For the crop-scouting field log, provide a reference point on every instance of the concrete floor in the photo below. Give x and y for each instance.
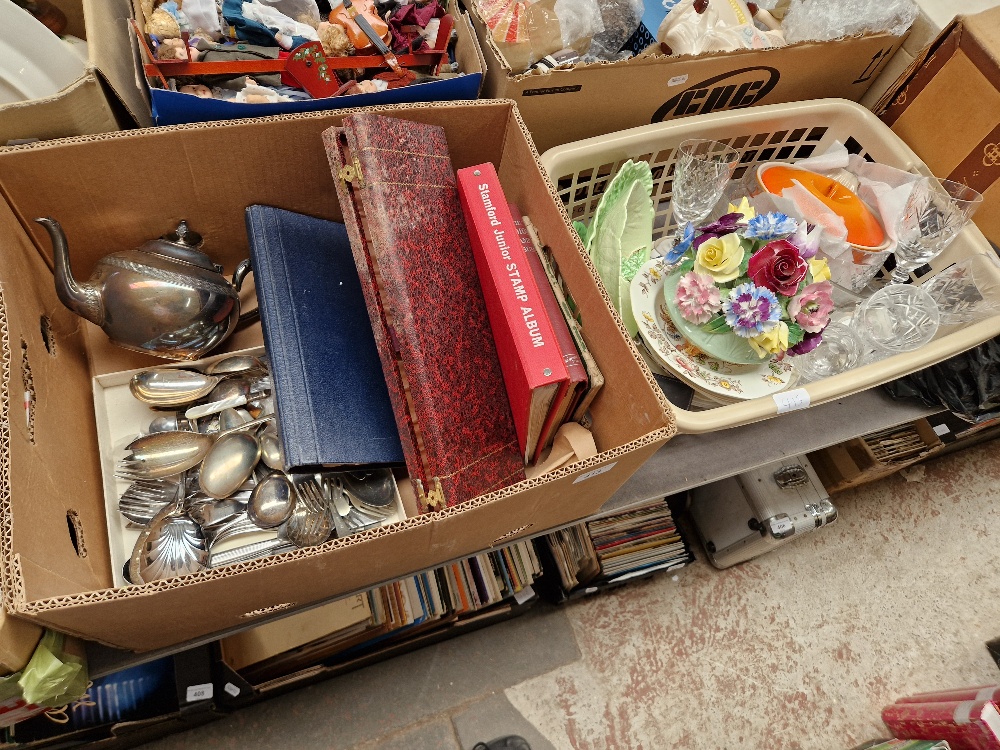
(798, 649)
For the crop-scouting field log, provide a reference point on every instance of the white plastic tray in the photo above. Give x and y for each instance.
(780, 132)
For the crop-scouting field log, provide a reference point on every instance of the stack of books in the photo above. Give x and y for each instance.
(618, 547)
(641, 539)
(574, 556)
(549, 374)
(351, 627)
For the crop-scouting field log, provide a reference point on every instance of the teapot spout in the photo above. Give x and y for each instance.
(83, 299)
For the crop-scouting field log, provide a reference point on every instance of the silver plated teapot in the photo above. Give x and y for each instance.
(164, 298)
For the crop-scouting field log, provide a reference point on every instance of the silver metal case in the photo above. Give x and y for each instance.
(752, 513)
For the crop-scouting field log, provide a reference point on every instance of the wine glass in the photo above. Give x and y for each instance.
(701, 173)
(934, 214)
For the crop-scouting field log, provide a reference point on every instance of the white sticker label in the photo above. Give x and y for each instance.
(677, 80)
(941, 429)
(232, 689)
(792, 400)
(524, 595)
(781, 526)
(200, 692)
(595, 472)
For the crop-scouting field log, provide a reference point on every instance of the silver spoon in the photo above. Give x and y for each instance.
(271, 501)
(270, 451)
(172, 545)
(376, 487)
(166, 387)
(238, 363)
(232, 418)
(228, 464)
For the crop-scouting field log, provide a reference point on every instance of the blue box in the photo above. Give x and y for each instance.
(173, 108)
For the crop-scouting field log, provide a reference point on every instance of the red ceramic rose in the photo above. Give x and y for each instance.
(778, 266)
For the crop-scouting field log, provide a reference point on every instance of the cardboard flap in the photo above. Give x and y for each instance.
(51, 477)
(919, 72)
(111, 51)
(984, 29)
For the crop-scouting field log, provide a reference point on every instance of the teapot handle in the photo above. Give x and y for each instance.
(241, 272)
(239, 276)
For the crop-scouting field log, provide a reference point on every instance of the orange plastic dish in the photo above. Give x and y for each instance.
(863, 228)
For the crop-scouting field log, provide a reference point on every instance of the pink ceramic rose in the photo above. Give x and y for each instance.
(778, 266)
(811, 308)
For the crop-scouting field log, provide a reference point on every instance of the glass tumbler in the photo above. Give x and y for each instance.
(967, 291)
(839, 351)
(856, 267)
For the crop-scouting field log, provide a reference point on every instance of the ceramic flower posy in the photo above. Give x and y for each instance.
(756, 277)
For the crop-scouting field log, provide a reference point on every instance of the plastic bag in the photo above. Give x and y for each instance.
(525, 31)
(56, 673)
(620, 18)
(823, 20)
(967, 384)
(720, 27)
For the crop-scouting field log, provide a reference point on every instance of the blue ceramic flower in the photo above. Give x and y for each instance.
(770, 226)
(683, 245)
(751, 310)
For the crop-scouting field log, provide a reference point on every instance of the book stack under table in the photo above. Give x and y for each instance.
(616, 548)
(387, 615)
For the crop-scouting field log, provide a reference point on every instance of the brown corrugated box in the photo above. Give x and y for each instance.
(105, 191)
(947, 109)
(103, 99)
(854, 463)
(563, 106)
(18, 639)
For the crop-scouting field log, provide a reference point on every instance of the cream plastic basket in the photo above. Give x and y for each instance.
(780, 132)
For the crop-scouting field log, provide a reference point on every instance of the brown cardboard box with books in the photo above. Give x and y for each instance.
(565, 105)
(54, 544)
(947, 109)
(104, 98)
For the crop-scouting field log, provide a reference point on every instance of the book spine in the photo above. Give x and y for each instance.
(571, 393)
(982, 693)
(961, 723)
(522, 330)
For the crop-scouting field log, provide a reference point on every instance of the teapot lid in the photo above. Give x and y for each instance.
(182, 245)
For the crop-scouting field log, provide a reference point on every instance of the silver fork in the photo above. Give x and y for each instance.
(144, 498)
(311, 522)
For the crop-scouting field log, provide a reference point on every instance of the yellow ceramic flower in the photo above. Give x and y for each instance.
(744, 208)
(819, 269)
(774, 341)
(720, 258)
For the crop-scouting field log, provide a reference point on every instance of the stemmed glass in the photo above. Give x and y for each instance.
(934, 214)
(702, 171)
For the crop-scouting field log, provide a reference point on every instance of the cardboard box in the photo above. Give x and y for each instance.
(132, 713)
(103, 99)
(563, 106)
(173, 108)
(947, 109)
(53, 532)
(855, 462)
(17, 643)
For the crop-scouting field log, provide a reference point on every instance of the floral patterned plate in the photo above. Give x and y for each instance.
(677, 355)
